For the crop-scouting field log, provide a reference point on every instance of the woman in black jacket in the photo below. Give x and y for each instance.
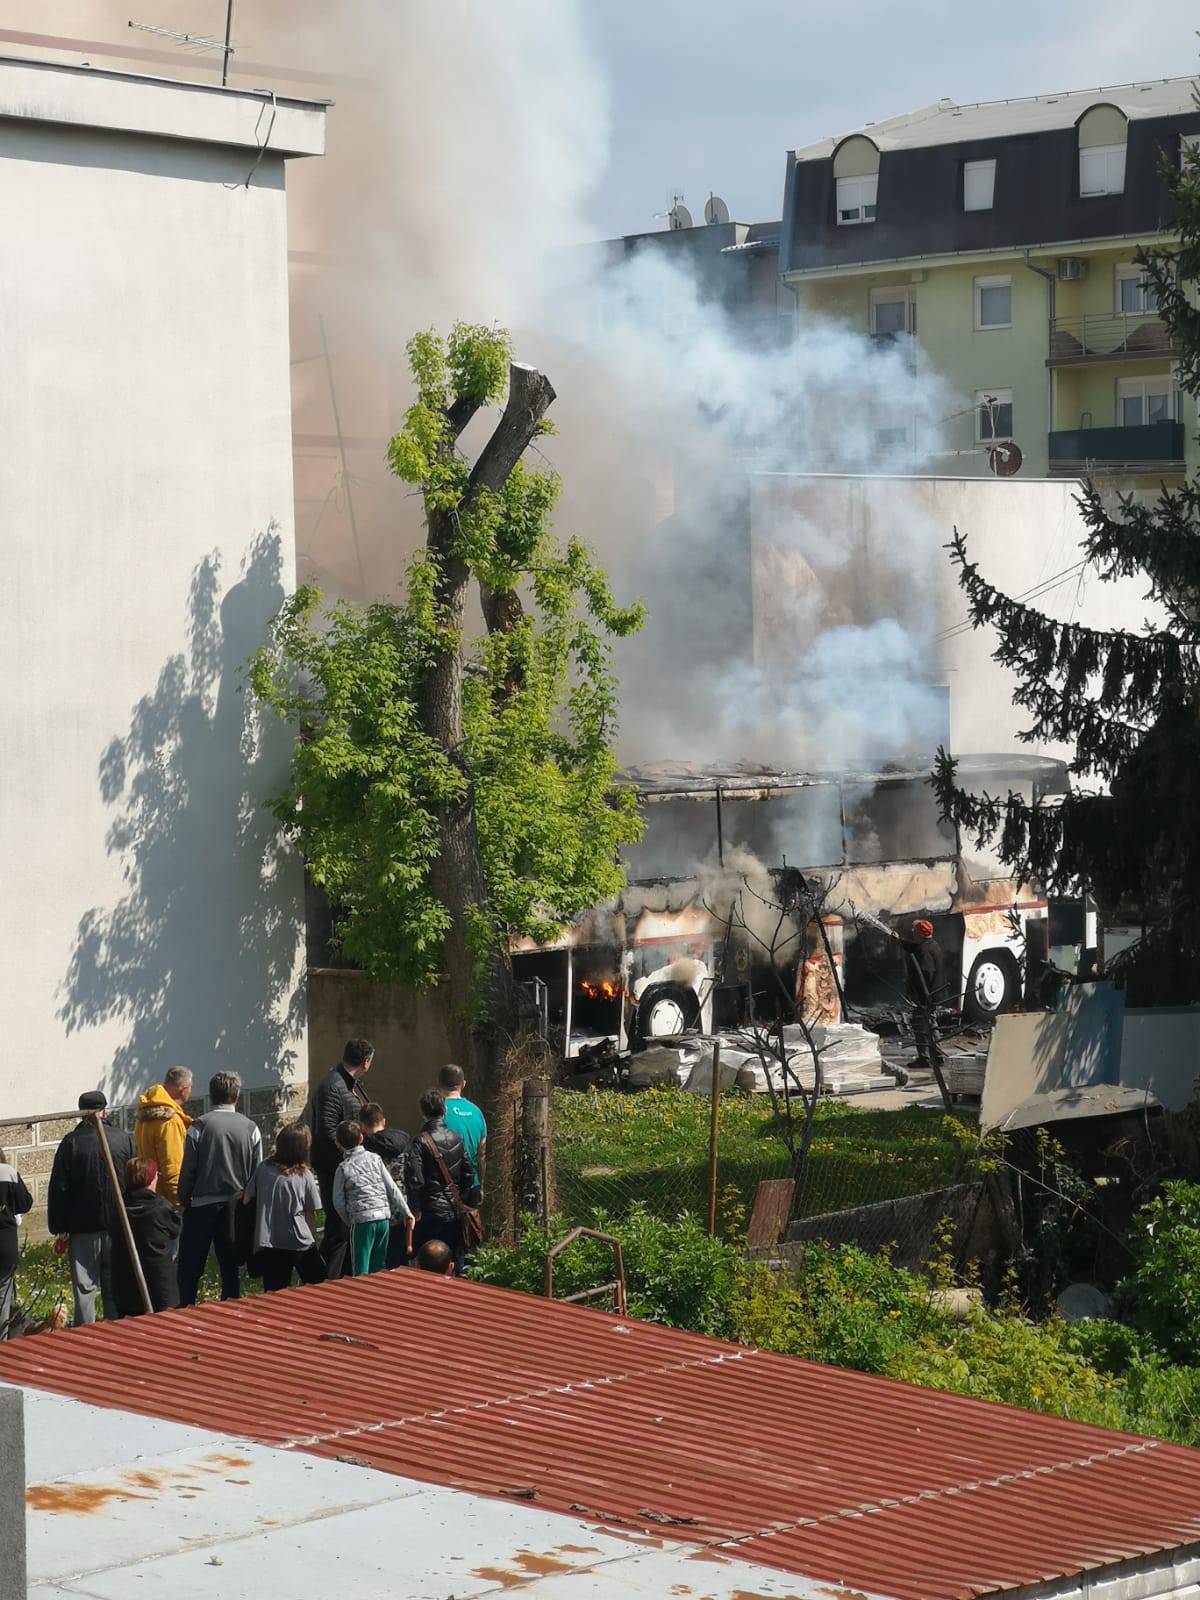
(428, 1192)
(15, 1201)
(155, 1224)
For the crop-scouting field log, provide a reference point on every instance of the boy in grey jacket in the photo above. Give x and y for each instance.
(220, 1155)
(366, 1198)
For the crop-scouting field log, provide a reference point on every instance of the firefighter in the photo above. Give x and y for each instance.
(925, 985)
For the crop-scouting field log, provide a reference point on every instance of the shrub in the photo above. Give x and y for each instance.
(842, 1307)
(1163, 1290)
(674, 1273)
(1015, 1362)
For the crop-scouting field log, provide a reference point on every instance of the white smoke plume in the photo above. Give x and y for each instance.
(463, 143)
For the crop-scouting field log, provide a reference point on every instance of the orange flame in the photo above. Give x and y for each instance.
(605, 990)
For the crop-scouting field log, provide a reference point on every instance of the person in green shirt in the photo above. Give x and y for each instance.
(464, 1116)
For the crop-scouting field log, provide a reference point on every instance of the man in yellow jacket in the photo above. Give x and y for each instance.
(162, 1126)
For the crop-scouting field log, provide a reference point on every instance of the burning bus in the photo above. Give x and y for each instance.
(701, 937)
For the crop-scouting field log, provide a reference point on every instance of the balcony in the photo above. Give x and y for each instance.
(1153, 447)
(1109, 336)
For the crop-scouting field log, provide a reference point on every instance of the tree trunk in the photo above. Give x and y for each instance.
(457, 874)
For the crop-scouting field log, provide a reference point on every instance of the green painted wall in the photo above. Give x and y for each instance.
(973, 359)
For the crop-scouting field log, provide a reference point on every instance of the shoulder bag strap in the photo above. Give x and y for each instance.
(455, 1198)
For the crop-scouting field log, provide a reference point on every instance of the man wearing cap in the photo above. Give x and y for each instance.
(80, 1204)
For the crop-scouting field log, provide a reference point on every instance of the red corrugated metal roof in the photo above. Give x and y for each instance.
(845, 1478)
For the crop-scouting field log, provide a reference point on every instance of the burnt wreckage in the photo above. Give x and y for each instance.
(756, 895)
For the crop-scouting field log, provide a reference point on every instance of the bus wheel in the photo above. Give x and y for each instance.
(664, 1011)
(991, 987)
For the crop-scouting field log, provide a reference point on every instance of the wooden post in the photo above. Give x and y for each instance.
(712, 1138)
(537, 1162)
(98, 1119)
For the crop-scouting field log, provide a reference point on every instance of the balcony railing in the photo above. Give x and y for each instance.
(1109, 336)
(1154, 446)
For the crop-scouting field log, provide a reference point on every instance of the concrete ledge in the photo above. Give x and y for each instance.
(124, 102)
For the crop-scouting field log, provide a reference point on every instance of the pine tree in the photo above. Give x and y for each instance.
(1127, 703)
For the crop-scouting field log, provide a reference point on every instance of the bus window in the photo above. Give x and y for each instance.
(802, 826)
(895, 821)
(679, 833)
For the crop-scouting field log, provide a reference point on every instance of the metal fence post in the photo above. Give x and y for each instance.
(12, 1491)
(714, 1115)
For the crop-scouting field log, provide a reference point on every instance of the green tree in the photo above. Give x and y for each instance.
(454, 786)
(1126, 702)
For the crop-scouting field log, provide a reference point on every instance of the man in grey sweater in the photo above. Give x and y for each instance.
(220, 1154)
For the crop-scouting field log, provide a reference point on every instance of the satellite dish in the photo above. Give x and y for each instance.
(1005, 458)
(679, 216)
(715, 209)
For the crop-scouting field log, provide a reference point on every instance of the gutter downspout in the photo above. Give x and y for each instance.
(1051, 288)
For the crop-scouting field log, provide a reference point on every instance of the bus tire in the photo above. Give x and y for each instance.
(993, 985)
(677, 1002)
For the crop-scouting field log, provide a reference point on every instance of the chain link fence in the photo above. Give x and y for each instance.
(611, 1152)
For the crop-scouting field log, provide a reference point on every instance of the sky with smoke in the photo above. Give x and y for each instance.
(470, 145)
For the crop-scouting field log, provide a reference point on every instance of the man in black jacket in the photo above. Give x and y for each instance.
(337, 1098)
(428, 1193)
(925, 983)
(80, 1204)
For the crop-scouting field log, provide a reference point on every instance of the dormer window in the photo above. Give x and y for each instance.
(979, 185)
(856, 199)
(1102, 137)
(856, 176)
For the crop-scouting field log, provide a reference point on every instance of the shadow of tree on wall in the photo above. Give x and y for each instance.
(198, 958)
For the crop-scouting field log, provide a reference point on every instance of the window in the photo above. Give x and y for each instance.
(1141, 401)
(1102, 170)
(1134, 290)
(993, 415)
(979, 185)
(856, 198)
(993, 302)
(1189, 153)
(893, 312)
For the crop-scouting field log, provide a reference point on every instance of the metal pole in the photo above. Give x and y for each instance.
(712, 1138)
(228, 52)
(98, 1118)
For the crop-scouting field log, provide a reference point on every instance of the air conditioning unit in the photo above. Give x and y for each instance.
(1071, 268)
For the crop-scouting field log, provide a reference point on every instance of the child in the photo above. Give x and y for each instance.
(366, 1198)
(394, 1149)
(155, 1225)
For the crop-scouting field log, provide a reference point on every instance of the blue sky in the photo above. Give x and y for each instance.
(711, 95)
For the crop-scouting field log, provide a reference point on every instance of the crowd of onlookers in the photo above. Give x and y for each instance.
(195, 1187)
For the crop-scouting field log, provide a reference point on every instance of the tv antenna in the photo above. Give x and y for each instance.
(715, 209)
(199, 42)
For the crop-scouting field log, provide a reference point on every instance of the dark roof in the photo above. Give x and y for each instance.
(852, 1480)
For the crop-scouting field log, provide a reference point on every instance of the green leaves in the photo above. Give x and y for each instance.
(539, 705)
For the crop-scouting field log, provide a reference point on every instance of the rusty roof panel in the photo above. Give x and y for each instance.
(834, 1475)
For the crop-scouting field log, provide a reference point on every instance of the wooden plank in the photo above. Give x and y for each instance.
(772, 1207)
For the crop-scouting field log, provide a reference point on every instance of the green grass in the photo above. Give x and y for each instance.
(614, 1150)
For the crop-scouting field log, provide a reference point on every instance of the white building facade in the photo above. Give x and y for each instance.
(146, 495)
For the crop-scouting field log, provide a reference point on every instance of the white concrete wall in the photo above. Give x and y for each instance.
(146, 507)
